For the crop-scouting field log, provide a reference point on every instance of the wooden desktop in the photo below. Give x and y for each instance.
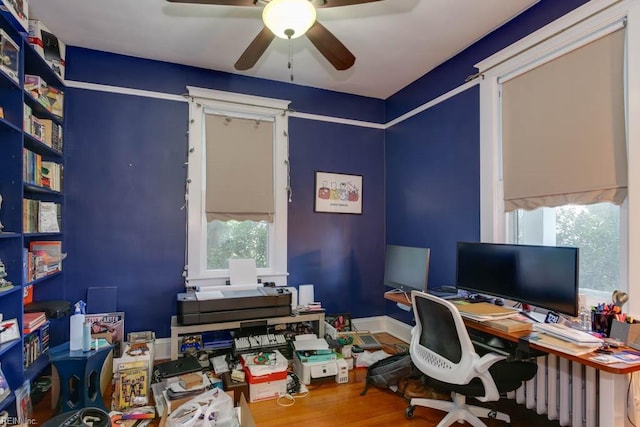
(613, 380)
(613, 368)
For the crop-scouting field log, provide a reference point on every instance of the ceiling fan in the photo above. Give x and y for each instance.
(289, 19)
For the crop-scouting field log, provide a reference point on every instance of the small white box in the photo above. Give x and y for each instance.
(19, 9)
(50, 47)
(343, 371)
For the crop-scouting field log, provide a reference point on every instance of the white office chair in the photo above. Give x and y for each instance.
(442, 350)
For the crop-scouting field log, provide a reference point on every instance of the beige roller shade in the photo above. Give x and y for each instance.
(563, 127)
(239, 169)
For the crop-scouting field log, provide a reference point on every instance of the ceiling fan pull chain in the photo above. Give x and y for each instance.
(290, 55)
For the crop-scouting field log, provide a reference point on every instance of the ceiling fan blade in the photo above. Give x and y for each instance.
(218, 2)
(336, 3)
(330, 47)
(254, 51)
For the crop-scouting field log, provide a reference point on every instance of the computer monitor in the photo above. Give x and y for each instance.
(542, 276)
(406, 267)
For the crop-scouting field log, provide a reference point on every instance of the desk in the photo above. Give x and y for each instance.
(603, 399)
(177, 330)
(607, 407)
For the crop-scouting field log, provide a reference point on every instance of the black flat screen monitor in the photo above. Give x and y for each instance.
(543, 276)
(406, 267)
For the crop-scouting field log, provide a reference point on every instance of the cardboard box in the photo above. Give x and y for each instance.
(19, 9)
(52, 49)
(267, 390)
(257, 379)
(626, 332)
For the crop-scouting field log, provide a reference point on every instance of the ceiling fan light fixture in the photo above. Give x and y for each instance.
(289, 18)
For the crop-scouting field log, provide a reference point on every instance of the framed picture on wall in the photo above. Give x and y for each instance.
(338, 193)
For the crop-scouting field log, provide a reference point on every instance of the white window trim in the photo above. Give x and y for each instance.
(236, 105)
(566, 33)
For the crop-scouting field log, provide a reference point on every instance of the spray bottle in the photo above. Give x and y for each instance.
(75, 326)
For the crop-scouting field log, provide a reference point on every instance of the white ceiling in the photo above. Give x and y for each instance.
(394, 41)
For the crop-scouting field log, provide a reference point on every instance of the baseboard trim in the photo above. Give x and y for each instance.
(400, 330)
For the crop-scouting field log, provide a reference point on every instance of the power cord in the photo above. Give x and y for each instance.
(295, 390)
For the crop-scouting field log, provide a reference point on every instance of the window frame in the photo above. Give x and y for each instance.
(567, 33)
(203, 101)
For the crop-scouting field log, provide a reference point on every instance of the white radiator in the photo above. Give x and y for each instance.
(576, 395)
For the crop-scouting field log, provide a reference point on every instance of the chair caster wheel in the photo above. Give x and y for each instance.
(408, 413)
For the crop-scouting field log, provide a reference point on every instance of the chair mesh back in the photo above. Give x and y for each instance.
(439, 333)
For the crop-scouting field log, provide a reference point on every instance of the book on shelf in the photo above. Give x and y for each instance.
(52, 134)
(56, 101)
(45, 258)
(32, 321)
(27, 112)
(31, 167)
(41, 217)
(27, 293)
(51, 175)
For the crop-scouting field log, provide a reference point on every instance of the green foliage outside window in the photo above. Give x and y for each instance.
(595, 230)
(236, 239)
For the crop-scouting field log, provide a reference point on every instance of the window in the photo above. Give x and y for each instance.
(599, 225)
(596, 229)
(237, 185)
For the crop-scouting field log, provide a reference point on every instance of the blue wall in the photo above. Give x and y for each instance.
(433, 159)
(125, 184)
(341, 254)
(125, 178)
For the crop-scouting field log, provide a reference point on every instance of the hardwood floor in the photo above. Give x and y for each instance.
(330, 405)
(340, 405)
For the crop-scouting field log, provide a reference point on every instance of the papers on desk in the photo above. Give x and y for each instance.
(563, 346)
(629, 357)
(483, 311)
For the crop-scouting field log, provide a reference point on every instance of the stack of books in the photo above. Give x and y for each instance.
(32, 321)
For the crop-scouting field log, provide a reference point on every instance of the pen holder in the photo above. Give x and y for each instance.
(601, 322)
(626, 332)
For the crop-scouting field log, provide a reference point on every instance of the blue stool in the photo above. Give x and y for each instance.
(79, 374)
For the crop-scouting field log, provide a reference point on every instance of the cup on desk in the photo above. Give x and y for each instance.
(601, 322)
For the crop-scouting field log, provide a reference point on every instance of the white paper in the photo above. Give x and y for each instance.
(305, 295)
(203, 296)
(243, 272)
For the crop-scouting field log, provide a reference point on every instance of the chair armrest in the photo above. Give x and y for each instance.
(485, 362)
(482, 366)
